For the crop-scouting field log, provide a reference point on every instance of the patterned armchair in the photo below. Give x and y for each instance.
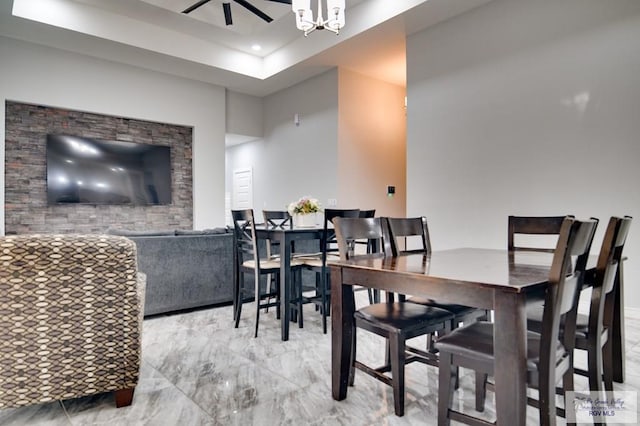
(70, 318)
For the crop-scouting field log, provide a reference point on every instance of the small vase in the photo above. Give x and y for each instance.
(305, 220)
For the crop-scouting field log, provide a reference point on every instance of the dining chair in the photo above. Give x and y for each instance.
(318, 262)
(549, 353)
(593, 330)
(411, 235)
(395, 321)
(278, 219)
(367, 213)
(533, 225)
(249, 260)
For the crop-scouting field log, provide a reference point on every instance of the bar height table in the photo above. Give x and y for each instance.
(286, 237)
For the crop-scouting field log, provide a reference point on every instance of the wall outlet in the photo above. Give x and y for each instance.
(332, 202)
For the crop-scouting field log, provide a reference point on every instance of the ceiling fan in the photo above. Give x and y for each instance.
(226, 8)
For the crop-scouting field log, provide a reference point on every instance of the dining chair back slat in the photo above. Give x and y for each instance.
(406, 228)
(277, 219)
(245, 236)
(351, 230)
(533, 226)
(329, 243)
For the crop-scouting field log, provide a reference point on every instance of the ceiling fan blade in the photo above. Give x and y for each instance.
(281, 1)
(195, 6)
(254, 9)
(227, 13)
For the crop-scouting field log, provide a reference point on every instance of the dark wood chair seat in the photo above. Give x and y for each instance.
(476, 341)
(534, 323)
(402, 317)
(532, 225)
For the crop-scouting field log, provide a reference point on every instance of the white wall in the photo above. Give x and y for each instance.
(292, 161)
(41, 75)
(244, 114)
(526, 107)
(372, 143)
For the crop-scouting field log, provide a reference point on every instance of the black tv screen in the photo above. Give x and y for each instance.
(91, 171)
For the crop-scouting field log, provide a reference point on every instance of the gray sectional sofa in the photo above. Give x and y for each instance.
(185, 269)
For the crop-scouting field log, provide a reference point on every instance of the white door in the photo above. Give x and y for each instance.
(242, 197)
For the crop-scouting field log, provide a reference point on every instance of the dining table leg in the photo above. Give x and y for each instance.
(342, 329)
(510, 343)
(285, 285)
(236, 280)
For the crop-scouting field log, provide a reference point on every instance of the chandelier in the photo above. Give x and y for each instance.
(306, 23)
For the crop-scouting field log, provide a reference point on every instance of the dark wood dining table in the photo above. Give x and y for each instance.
(482, 278)
(286, 237)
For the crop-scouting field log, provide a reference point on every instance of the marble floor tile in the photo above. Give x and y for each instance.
(50, 414)
(198, 369)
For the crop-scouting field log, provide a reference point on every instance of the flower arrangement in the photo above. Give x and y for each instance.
(304, 205)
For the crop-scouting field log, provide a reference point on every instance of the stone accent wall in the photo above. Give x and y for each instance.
(26, 209)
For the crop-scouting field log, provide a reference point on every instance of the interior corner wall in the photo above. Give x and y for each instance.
(297, 160)
(371, 144)
(244, 114)
(52, 77)
(526, 108)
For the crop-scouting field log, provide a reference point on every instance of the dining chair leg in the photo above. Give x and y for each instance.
(298, 279)
(594, 359)
(481, 390)
(352, 369)
(268, 290)
(567, 380)
(257, 301)
(567, 386)
(277, 291)
(397, 349)
(318, 288)
(238, 307)
(446, 378)
(323, 299)
(547, 398)
(235, 302)
(607, 364)
(327, 289)
(237, 315)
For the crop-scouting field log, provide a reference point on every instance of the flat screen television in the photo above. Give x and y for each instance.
(90, 171)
